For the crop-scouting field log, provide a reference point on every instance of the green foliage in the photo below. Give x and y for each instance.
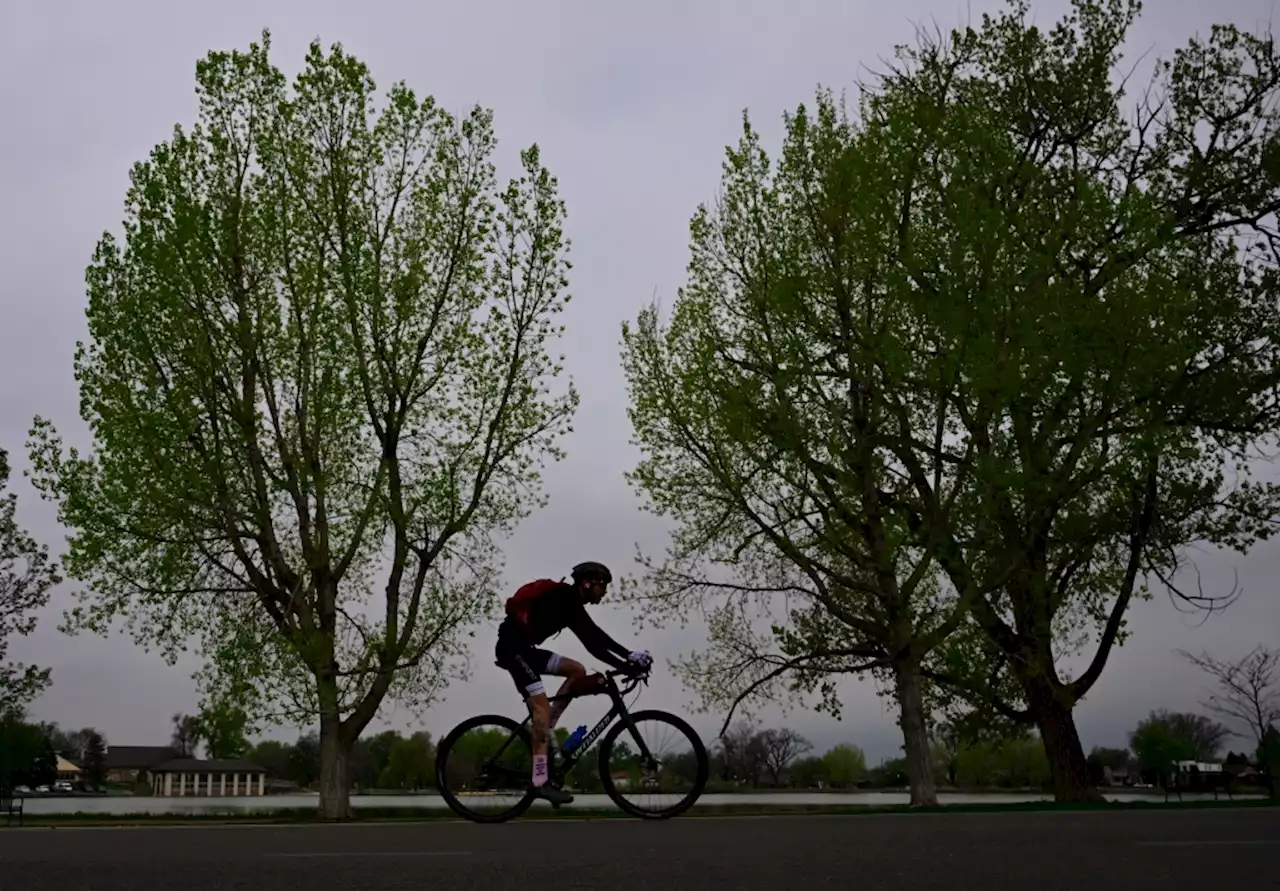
(276, 758)
(411, 763)
(890, 773)
(369, 757)
(1116, 759)
(767, 407)
(845, 765)
(1047, 341)
(26, 753)
(45, 769)
(1164, 738)
(809, 772)
(26, 575)
(186, 735)
(762, 440)
(967, 729)
(223, 725)
(973, 694)
(1101, 320)
(477, 747)
(95, 761)
(1010, 763)
(622, 755)
(319, 382)
(304, 760)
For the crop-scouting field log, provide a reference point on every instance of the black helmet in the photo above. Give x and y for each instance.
(592, 571)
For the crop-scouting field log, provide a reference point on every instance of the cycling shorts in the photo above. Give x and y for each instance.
(525, 662)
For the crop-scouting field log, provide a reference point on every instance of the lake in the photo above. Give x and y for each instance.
(125, 805)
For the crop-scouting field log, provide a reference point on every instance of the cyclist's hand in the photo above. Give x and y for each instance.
(640, 662)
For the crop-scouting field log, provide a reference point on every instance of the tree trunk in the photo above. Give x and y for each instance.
(915, 734)
(335, 748)
(1068, 769)
(335, 782)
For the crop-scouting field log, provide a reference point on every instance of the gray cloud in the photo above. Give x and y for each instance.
(632, 109)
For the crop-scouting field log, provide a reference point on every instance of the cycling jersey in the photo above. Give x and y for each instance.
(558, 609)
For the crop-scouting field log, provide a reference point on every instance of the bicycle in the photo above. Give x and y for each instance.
(618, 765)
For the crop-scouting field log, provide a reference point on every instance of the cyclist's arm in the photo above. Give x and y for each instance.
(597, 642)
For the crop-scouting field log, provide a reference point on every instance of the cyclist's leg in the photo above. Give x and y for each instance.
(576, 683)
(526, 665)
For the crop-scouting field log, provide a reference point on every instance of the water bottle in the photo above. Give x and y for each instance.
(574, 738)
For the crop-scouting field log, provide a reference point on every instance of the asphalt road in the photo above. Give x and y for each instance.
(1204, 850)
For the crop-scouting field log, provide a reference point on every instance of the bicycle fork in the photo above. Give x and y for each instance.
(648, 764)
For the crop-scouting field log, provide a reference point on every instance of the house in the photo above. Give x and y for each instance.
(181, 777)
(1198, 767)
(68, 771)
(124, 763)
(1116, 776)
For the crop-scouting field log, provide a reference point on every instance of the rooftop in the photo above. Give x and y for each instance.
(200, 765)
(136, 757)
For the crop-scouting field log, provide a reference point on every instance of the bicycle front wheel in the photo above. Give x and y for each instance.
(483, 767)
(669, 780)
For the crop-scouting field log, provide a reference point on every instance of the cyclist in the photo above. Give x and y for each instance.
(538, 610)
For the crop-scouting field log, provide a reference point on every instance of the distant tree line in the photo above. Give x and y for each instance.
(746, 757)
(1164, 739)
(386, 760)
(984, 757)
(753, 757)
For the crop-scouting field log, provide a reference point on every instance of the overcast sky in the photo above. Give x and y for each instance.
(632, 105)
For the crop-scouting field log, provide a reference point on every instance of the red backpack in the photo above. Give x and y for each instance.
(519, 603)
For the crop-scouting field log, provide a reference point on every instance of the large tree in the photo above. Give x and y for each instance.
(764, 440)
(1035, 341)
(1098, 288)
(319, 388)
(26, 575)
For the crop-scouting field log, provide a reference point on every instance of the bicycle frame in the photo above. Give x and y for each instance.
(617, 709)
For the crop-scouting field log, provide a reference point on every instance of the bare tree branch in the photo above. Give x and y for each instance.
(1248, 693)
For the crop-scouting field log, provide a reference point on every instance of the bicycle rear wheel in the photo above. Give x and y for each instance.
(483, 768)
(669, 781)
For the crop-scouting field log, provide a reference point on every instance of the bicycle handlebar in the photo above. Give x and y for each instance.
(634, 677)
